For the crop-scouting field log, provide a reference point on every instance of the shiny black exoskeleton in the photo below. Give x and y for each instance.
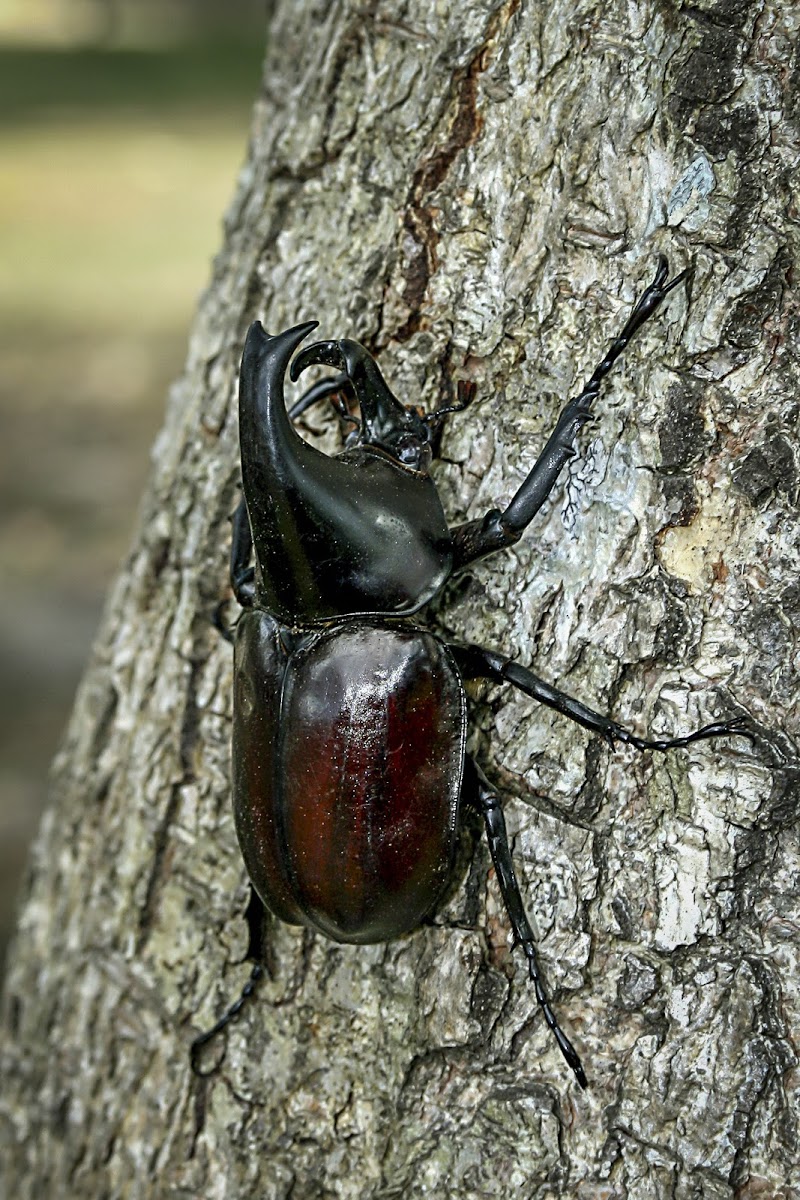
(349, 762)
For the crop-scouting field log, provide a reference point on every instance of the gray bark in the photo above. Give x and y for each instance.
(473, 190)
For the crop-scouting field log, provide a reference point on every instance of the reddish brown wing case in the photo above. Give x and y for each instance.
(348, 756)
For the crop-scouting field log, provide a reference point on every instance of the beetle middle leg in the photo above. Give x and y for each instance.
(498, 529)
(497, 837)
(478, 663)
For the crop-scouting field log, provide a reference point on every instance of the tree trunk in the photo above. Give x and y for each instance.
(473, 191)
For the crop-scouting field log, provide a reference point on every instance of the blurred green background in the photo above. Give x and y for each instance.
(122, 126)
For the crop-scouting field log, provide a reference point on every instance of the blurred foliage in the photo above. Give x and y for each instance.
(115, 170)
(45, 83)
(118, 23)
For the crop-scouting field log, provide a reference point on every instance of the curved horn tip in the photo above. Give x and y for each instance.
(295, 334)
(256, 333)
(287, 342)
(319, 353)
(304, 329)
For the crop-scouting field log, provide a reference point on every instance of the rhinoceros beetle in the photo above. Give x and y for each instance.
(350, 717)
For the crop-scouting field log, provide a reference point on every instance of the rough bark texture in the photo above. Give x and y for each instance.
(475, 190)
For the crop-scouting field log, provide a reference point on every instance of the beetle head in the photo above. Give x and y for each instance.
(386, 424)
(358, 532)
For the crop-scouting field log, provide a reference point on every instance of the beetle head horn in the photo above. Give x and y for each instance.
(385, 422)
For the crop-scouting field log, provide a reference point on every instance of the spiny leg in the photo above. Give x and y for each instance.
(477, 663)
(256, 920)
(498, 529)
(321, 390)
(248, 990)
(497, 837)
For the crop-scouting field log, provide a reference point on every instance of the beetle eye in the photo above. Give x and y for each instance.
(410, 450)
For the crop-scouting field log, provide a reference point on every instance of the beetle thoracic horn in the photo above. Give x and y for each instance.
(382, 414)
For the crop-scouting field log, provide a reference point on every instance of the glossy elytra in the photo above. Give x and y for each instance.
(349, 762)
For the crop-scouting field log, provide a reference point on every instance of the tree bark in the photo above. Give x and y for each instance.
(473, 191)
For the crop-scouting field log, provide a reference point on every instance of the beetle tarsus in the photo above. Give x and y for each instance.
(570, 1054)
(199, 1042)
(497, 837)
(466, 390)
(734, 728)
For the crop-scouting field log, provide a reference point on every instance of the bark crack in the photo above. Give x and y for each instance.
(463, 129)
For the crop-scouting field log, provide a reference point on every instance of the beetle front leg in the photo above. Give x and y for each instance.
(242, 574)
(322, 390)
(498, 529)
(477, 663)
(497, 837)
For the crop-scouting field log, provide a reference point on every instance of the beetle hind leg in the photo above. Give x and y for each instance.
(256, 917)
(497, 837)
(232, 1013)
